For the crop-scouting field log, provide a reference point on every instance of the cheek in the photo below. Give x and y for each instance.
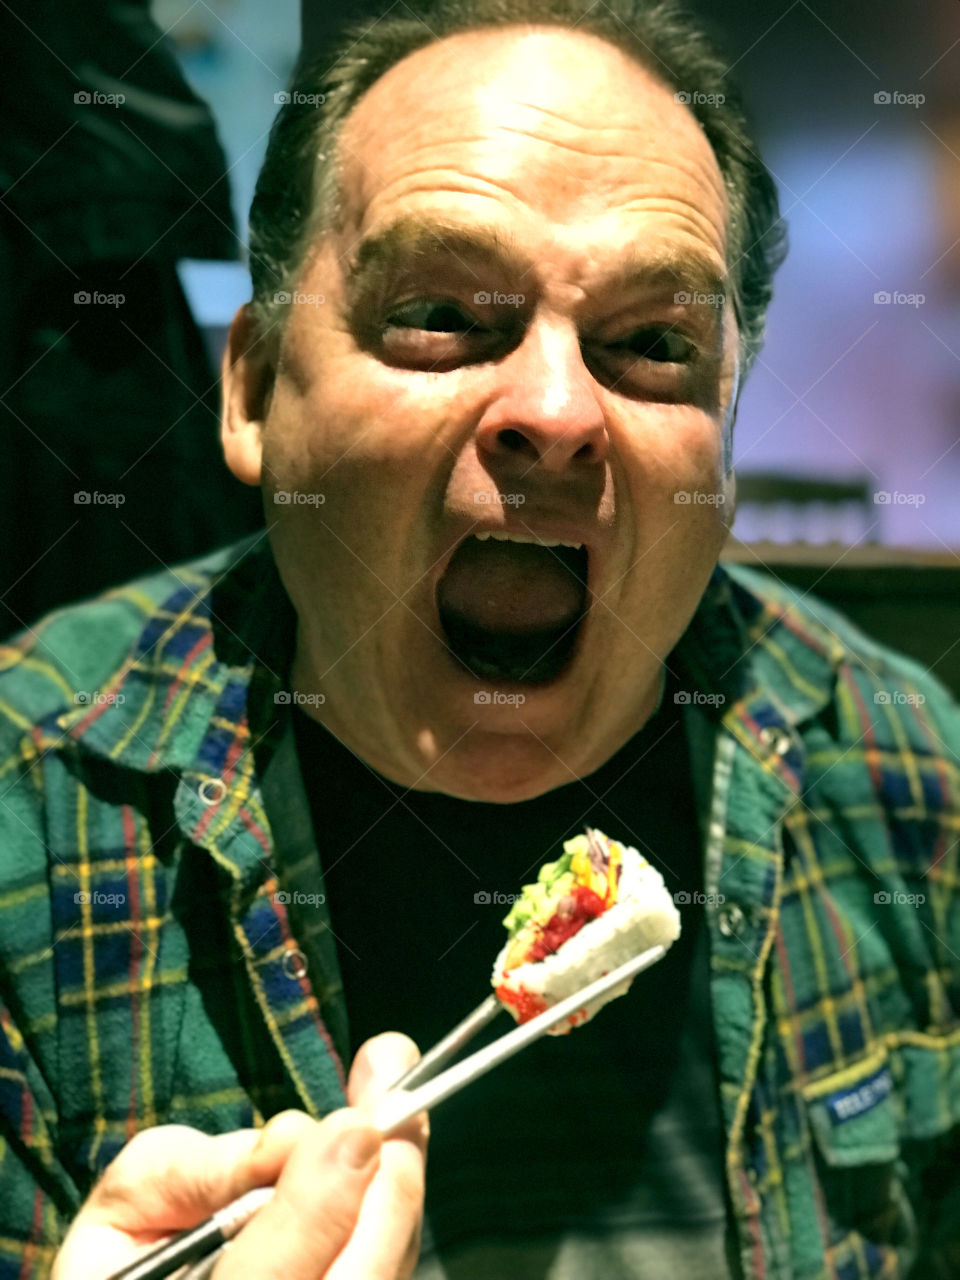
(329, 442)
(362, 418)
(671, 449)
(369, 466)
(677, 498)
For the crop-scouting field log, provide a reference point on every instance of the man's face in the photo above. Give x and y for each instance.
(500, 349)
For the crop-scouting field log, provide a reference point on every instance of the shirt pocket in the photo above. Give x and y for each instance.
(856, 1118)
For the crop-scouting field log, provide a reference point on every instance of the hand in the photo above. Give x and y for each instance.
(347, 1205)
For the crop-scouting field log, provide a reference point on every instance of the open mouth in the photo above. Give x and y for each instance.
(512, 605)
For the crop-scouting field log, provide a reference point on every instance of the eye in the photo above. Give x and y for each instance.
(658, 362)
(662, 346)
(431, 317)
(437, 334)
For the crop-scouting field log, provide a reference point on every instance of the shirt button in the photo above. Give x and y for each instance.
(294, 964)
(730, 920)
(778, 740)
(212, 790)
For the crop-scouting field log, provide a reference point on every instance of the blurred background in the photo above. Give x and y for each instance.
(848, 434)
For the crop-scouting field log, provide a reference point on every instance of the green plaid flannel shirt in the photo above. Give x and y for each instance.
(149, 974)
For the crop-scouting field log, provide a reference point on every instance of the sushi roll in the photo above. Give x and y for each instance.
(593, 909)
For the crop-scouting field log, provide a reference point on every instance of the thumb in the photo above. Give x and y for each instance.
(379, 1064)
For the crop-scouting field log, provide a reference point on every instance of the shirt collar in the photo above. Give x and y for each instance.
(766, 664)
(750, 634)
(213, 656)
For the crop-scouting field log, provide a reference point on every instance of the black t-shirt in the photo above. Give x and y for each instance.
(614, 1127)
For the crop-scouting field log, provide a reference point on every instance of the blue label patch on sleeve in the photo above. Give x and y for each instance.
(848, 1103)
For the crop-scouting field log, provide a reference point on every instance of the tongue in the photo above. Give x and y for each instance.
(513, 587)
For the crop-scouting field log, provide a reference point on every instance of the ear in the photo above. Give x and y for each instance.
(731, 416)
(247, 374)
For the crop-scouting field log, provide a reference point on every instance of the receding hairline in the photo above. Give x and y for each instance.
(559, 30)
(391, 240)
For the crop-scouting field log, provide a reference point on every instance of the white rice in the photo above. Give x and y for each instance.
(643, 916)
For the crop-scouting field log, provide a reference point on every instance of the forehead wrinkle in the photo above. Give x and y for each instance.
(619, 185)
(626, 165)
(685, 218)
(491, 89)
(565, 146)
(629, 138)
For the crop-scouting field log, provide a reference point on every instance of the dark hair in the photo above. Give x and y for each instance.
(298, 191)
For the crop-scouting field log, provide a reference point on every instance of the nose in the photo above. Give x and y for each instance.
(546, 415)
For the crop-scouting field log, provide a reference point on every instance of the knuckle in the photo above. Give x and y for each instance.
(290, 1120)
(416, 1131)
(281, 1133)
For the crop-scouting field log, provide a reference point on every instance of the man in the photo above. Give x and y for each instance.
(507, 284)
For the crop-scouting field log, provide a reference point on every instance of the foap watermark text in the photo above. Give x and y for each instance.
(895, 898)
(697, 698)
(293, 697)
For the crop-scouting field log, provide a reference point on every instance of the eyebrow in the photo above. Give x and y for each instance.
(410, 243)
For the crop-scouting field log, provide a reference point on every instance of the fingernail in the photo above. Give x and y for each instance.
(359, 1148)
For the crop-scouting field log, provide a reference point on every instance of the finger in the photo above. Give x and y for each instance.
(172, 1177)
(386, 1241)
(379, 1063)
(275, 1145)
(299, 1233)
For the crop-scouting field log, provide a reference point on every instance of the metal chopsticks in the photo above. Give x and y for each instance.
(392, 1110)
(400, 1103)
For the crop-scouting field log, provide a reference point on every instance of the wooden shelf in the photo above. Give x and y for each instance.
(906, 599)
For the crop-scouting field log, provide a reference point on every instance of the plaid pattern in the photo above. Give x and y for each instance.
(148, 974)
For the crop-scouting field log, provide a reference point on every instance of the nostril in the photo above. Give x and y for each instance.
(513, 440)
(552, 447)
